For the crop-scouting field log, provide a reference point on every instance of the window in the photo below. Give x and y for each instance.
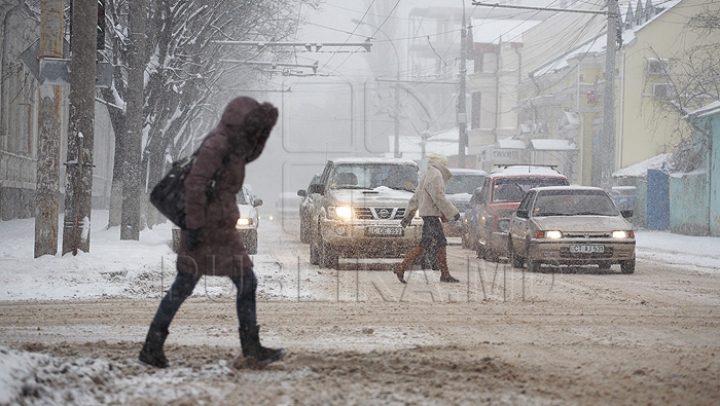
(664, 91)
(658, 66)
(514, 189)
(370, 176)
(574, 203)
(522, 210)
(463, 184)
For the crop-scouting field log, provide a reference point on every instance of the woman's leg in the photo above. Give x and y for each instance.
(152, 352)
(246, 285)
(249, 331)
(180, 290)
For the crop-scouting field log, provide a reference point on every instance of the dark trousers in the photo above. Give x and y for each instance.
(433, 236)
(183, 286)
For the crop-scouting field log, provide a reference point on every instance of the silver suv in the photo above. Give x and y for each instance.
(357, 212)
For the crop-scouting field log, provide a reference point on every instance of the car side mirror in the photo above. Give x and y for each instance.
(257, 202)
(317, 189)
(302, 193)
(521, 213)
(626, 213)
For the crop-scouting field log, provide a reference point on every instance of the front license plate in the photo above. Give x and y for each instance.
(587, 249)
(384, 231)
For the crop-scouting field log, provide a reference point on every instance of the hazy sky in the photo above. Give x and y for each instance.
(321, 114)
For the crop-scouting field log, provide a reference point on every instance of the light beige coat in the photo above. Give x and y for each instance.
(429, 198)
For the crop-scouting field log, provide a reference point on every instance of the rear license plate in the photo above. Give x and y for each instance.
(587, 249)
(384, 231)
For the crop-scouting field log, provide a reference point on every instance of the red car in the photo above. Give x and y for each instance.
(487, 221)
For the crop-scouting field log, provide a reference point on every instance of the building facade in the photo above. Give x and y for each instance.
(19, 106)
(549, 85)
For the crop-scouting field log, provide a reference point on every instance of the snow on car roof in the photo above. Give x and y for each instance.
(373, 160)
(571, 187)
(462, 171)
(527, 169)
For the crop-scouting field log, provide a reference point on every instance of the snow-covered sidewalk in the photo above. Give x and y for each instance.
(115, 268)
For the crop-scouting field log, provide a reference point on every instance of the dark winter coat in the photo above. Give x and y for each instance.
(238, 139)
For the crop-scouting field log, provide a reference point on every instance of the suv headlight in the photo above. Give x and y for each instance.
(340, 212)
(242, 221)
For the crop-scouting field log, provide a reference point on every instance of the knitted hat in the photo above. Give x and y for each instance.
(439, 158)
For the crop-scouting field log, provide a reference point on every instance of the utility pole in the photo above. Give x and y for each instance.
(462, 91)
(132, 136)
(47, 190)
(396, 139)
(605, 166)
(608, 139)
(81, 134)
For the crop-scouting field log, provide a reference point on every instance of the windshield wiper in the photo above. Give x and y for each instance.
(351, 187)
(407, 189)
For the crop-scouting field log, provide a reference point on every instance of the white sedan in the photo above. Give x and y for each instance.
(571, 225)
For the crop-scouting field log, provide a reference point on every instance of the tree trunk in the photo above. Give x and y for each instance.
(117, 118)
(47, 191)
(132, 136)
(81, 135)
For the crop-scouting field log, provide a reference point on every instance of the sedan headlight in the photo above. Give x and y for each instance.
(550, 234)
(341, 212)
(242, 221)
(623, 234)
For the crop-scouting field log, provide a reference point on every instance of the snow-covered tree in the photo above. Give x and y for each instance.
(189, 75)
(695, 79)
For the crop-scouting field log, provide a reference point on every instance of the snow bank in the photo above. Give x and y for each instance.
(17, 375)
(129, 269)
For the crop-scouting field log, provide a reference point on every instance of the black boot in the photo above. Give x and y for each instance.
(152, 351)
(251, 348)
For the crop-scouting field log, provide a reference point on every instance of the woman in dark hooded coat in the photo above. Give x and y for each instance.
(210, 244)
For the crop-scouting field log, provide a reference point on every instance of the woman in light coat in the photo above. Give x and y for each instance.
(434, 208)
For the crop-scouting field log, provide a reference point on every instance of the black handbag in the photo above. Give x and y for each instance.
(168, 196)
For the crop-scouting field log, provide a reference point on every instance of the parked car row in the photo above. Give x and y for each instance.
(486, 224)
(527, 214)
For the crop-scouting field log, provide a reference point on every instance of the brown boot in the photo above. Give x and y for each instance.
(442, 261)
(410, 257)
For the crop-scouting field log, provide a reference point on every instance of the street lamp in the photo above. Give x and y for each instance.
(396, 150)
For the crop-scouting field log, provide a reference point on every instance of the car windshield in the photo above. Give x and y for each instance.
(574, 203)
(315, 180)
(370, 176)
(514, 189)
(463, 184)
